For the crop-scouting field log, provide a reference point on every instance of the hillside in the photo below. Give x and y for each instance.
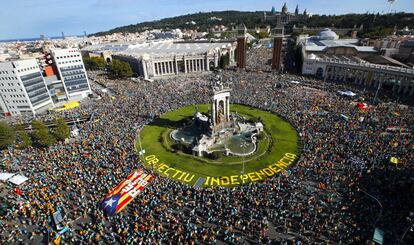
(374, 24)
(202, 20)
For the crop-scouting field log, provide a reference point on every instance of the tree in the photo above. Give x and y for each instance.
(7, 135)
(298, 59)
(24, 138)
(120, 69)
(62, 130)
(224, 61)
(94, 63)
(259, 35)
(41, 134)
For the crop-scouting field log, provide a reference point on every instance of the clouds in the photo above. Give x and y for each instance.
(30, 18)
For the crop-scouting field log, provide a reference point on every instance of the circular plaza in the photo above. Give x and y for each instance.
(275, 148)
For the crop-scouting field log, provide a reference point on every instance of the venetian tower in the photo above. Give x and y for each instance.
(241, 46)
(277, 35)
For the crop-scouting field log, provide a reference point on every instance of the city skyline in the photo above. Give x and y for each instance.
(51, 17)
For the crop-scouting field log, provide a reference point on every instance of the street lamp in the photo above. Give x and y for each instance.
(142, 151)
(410, 226)
(376, 199)
(243, 145)
(376, 93)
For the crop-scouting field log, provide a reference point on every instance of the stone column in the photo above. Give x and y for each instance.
(369, 78)
(154, 69)
(395, 85)
(159, 69)
(412, 88)
(185, 65)
(356, 77)
(144, 68)
(364, 78)
(377, 82)
(407, 88)
(400, 88)
(207, 63)
(213, 113)
(194, 67)
(228, 108)
(361, 77)
(176, 65)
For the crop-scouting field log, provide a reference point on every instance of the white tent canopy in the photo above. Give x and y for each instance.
(5, 176)
(347, 93)
(18, 179)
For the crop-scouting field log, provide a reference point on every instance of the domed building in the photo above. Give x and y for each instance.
(284, 17)
(327, 34)
(325, 55)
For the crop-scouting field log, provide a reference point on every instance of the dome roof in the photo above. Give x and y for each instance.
(327, 34)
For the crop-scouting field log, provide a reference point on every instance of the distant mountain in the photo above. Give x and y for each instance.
(373, 24)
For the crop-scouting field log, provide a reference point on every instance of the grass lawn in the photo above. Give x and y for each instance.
(279, 138)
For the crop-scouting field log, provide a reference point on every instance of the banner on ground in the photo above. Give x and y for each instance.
(117, 199)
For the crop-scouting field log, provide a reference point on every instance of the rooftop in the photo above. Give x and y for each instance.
(317, 45)
(159, 48)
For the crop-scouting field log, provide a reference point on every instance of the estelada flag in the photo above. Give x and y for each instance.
(119, 197)
(18, 191)
(394, 160)
(362, 106)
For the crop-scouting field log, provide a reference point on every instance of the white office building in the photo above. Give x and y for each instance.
(23, 90)
(72, 72)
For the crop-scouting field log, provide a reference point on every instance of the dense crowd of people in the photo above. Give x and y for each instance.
(260, 57)
(342, 187)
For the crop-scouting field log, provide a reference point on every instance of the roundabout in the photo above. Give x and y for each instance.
(276, 149)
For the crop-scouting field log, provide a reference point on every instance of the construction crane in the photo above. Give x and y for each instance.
(390, 2)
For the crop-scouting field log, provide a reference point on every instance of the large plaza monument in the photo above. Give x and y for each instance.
(220, 106)
(221, 131)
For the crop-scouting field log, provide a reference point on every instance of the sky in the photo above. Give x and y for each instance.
(31, 18)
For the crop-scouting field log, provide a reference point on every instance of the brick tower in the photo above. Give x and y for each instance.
(277, 34)
(241, 46)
